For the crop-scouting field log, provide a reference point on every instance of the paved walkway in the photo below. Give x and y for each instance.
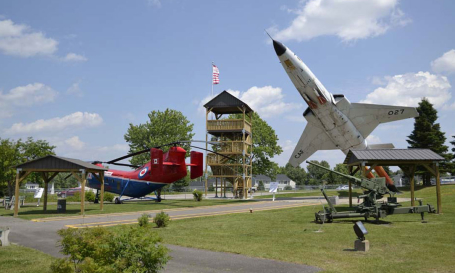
(41, 234)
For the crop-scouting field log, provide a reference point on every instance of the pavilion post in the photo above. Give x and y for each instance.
(438, 188)
(83, 191)
(46, 186)
(102, 190)
(350, 193)
(19, 177)
(412, 170)
(16, 193)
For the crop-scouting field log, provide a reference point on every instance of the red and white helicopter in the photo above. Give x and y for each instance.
(162, 169)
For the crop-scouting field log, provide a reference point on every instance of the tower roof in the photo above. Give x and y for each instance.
(225, 103)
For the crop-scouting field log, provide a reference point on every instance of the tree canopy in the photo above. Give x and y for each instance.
(427, 134)
(297, 174)
(13, 153)
(161, 128)
(316, 174)
(453, 156)
(265, 146)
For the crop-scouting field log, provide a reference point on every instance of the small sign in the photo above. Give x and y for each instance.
(155, 161)
(38, 193)
(273, 187)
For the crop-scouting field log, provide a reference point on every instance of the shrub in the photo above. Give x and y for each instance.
(162, 219)
(75, 198)
(143, 220)
(197, 195)
(287, 188)
(90, 196)
(126, 249)
(108, 197)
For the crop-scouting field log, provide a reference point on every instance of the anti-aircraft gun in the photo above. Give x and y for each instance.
(375, 189)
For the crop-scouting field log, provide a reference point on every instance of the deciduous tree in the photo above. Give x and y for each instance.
(161, 128)
(297, 174)
(13, 153)
(316, 175)
(265, 146)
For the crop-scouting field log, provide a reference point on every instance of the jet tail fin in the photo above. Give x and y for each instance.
(366, 117)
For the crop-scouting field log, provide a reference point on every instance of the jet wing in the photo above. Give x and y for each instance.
(313, 139)
(366, 117)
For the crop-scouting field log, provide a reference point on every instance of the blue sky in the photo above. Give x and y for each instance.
(77, 73)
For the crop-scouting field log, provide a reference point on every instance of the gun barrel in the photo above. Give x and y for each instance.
(342, 174)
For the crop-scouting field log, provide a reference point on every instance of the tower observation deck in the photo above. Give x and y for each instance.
(230, 124)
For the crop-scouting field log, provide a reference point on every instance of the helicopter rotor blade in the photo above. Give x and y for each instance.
(128, 155)
(126, 165)
(163, 145)
(201, 141)
(212, 152)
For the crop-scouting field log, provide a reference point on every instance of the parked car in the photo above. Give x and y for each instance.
(343, 187)
(68, 192)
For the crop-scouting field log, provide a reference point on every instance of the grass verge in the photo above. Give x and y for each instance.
(403, 244)
(19, 259)
(33, 212)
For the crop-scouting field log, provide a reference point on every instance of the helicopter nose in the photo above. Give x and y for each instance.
(279, 48)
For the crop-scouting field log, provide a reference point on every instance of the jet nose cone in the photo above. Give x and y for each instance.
(279, 48)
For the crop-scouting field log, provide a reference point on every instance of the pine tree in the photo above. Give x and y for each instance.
(453, 157)
(427, 134)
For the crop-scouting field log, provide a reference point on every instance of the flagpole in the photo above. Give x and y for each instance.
(212, 80)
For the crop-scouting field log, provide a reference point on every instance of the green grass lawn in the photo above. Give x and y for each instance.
(403, 244)
(32, 212)
(19, 259)
(400, 244)
(341, 193)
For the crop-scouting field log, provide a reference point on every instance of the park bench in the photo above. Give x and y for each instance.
(8, 202)
(4, 231)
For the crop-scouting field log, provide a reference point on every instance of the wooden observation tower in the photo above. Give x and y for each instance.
(235, 139)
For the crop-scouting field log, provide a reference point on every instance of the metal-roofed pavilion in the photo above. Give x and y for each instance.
(405, 159)
(51, 165)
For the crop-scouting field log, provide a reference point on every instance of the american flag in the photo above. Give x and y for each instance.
(216, 75)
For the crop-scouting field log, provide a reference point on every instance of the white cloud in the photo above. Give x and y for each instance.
(372, 139)
(28, 95)
(73, 57)
(77, 119)
(347, 19)
(20, 40)
(288, 147)
(378, 80)
(409, 89)
(295, 118)
(155, 3)
(74, 89)
(267, 101)
(445, 63)
(74, 147)
(75, 143)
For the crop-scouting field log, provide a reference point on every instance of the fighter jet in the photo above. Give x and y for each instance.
(333, 121)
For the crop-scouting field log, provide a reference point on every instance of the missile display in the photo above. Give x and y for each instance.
(333, 121)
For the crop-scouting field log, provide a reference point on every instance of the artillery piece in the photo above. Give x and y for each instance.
(375, 189)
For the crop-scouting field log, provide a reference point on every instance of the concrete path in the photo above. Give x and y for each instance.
(41, 234)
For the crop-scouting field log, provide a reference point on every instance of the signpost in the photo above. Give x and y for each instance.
(38, 194)
(273, 188)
